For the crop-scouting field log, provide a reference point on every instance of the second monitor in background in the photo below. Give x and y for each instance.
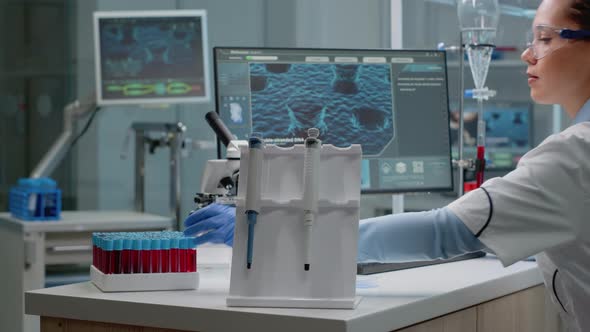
(392, 102)
(147, 57)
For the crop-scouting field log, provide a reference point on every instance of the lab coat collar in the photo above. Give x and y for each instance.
(583, 113)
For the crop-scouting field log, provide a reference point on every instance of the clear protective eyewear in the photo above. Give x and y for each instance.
(546, 39)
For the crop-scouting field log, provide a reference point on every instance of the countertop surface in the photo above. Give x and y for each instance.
(80, 221)
(388, 301)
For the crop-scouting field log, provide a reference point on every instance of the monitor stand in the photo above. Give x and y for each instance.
(397, 203)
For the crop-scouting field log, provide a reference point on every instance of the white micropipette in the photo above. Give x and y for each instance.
(311, 181)
(256, 145)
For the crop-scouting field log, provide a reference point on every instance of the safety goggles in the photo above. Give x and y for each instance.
(546, 39)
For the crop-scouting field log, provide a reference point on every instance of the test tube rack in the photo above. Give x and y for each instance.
(142, 261)
(35, 199)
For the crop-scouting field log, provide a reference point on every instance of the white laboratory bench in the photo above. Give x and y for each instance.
(28, 247)
(461, 296)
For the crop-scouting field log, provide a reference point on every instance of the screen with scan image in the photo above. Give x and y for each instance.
(151, 57)
(508, 132)
(392, 102)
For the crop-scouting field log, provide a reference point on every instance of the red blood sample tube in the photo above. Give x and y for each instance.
(109, 257)
(156, 256)
(192, 260)
(94, 249)
(100, 255)
(135, 259)
(145, 255)
(174, 255)
(191, 256)
(126, 256)
(183, 255)
(117, 253)
(165, 253)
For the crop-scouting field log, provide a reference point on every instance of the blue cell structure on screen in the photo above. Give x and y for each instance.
(348, 103)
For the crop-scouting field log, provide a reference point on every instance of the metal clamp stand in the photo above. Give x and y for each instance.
(172, 137)
(461, 163)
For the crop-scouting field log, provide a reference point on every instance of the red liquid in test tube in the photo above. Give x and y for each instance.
(156, 256)
(96, 263)
(109, 257)
(102, 258)
(183, 255)
(135, 259)
(110, 262)
(174, 255)
(192, 253)
(117, 253)
(146, 257)
(126, 255)
(94, 250)
(165, 255)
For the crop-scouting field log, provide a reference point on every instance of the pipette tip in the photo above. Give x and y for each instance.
(248, 265)
(306, 267)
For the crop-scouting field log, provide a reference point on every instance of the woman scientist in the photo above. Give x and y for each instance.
(542, 207)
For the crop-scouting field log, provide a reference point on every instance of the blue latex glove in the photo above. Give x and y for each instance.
(213, 223)
(435, 234)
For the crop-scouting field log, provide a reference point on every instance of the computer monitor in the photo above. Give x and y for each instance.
(147, 57)
(392, 102)
(508, 132)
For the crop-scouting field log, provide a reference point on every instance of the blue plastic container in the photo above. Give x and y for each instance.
(35, 200)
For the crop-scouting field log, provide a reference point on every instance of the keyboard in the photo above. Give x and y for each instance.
(372, 268)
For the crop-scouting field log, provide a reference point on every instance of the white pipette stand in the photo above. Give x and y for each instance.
(277, 277)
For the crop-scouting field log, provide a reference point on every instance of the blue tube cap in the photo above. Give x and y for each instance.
(146, 244)
(136, 244)
(109, 245)
(185, 243)
(127, 244)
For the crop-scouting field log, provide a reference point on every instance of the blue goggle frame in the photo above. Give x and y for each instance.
(573, 34)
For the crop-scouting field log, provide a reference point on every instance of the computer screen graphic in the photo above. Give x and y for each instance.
(508, 132)
(151, 57)
(367, 97)
(347, 103)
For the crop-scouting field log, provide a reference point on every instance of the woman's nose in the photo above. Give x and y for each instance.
(527, 56)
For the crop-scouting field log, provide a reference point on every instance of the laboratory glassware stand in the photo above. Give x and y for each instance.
(478, 21)
(277, 277)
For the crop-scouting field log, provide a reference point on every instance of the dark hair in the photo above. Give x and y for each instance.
(580, 13)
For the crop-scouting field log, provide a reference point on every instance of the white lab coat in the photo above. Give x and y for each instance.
(542, 207)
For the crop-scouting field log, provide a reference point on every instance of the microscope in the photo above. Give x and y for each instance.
(219, 183)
